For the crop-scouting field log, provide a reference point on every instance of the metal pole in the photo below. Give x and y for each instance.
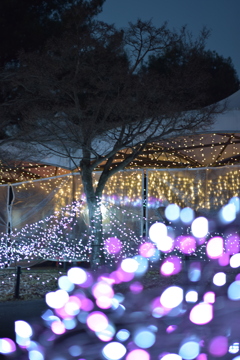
(17, 286)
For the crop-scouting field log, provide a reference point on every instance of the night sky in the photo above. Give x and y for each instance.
(221, 16)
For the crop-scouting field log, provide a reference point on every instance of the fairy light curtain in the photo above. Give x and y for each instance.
(204, 190)
(4, 209)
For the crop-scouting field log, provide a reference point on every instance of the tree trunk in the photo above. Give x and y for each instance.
(96, 233)
(95, 216)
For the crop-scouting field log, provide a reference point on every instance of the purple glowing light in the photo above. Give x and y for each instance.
(147, 249)
(232, 245)
(171, 328)
(218, 346)
(136, 287)
(187, 244)
(113, 245)
(58, 327)
(171, 266)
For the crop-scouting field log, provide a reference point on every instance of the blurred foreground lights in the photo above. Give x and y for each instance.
(142, 265)
(144, 338)
(171, 297)
(106, 334)
(218, 346)
(147, 250)
(201, 313)
(171, 266)
(7, 346)
(123, 335)
(113, 245)
(171, 357)
(219, 279)
(157, 231)
(35, 355)
(187, 215)
(235, 261)
(191, 296)
(209, 297)
(114, 351)
(56, 299)
(228, 213)
(75, 350)
(199, 227)
(97, 321)
(65, 284)
(129, 265)
(234, 348)
(77, 275)
(236, 202)
(214, 247)
(172, 212)
(23, 329)
(138, 354)
(189, 350)
(165, 244)
(234, 291)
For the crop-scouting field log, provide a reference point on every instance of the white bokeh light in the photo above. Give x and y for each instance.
(129, 265)
(77, 275)
(199, 227)
(114, 351)
(219, 279)
(157, 231)
(23, 329)
(172, 297)
(235, 261)
(191, 296)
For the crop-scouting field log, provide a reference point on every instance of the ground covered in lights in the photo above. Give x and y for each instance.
(152, 306)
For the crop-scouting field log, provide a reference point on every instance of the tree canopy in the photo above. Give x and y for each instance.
(86, 94)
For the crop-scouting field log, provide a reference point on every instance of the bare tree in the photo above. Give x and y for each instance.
(86, 97)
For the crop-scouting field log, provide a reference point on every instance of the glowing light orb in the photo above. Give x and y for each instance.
(58, 327)
(191, 296)
(171, 266)
(56, 299)
(219, 279)
(171, 357)
(129, 265)
(228, 213)
(7, 346)
(113, 245)
(147, 249)
(138, 354)
(201, 314)
(123, 335)
(189, 350)
(157, 231)
(171, 297)
(75, 350)
(144, 338)
(165, 244)
(142, 265)
(65, 284)
(187, 244)
(35, 355)
(235, 261)
(187, 215)
(218, 346)
(97, 321)
(114, 351)
(234, 291)
(214, 247)
(194, 271)
(23, 329)
(172, 212)
(232, 245)
(199, 227)
(209, 297)
(77, 275)
(106, 334)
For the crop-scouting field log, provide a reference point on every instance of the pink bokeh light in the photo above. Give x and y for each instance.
(214, 247)
(218, 346)
(113, 245)
(147, 249)
(138, 354)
